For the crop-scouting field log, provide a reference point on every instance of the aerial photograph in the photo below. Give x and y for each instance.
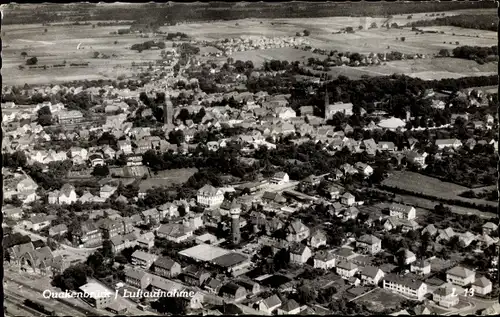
(250, 158)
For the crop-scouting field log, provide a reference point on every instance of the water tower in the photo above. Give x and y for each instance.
(235, 211)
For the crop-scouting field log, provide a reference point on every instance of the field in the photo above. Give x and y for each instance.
(60, 44)
(419, 183)
(381, 300)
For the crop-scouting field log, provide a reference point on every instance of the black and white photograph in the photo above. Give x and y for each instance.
(250, 158)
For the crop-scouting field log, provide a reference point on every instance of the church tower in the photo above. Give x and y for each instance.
(327, 104)
(168, 113)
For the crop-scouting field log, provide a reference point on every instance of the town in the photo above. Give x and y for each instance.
(204, 184)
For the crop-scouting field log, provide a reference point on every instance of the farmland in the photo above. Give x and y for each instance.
(434, 187)
(59, 44)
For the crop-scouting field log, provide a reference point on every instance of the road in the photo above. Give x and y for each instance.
(478, 304)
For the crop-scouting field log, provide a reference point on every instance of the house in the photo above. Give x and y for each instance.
(370, 146)
(482, 286)
(194, 276)
(344, 108)
(369, 244)
(280, 178)
(297, 231)
(299, 253)
(347, 199)
(166, 267)
(270, 304)
(11, 212)
(285, 113)
(58, 230)
(421, 267)
(306, 110)
(405, 285)
(364, 169)
(174, 232)
(146, 241)
(38, 222)
(386, 146)
(209, 196)
(290, 307)
(371, 275)
(344, 254)
(448, 143)
(233, 292)
(430, 229)
(106, 191)
(416, 158)
(402, 211)
(213, 285)
(407, 256)
(324, 260)
(250, 287)
(446, 296)
(273, 197)
(445, 234)
(67, 195)
(460, 276)
(120, 242)
(317, 239)
(333, 191)
(466, 238)
(489, 227)
(96, 159)
(151, 216)
(88, 235)
(143, 259)
(346, 269)
(137, 278)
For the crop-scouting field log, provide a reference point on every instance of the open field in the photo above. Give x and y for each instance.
(414, 182)
(380, 300)
(60, 44)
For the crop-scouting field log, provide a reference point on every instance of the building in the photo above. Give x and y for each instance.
(290, 307)
(324, 260)
(348, 199)
(97, 295)
(143, 260)
(194, 276)
(280, 178)
(250, 287)
(209, 196)
(38, 222)
(174, 232)
(106, 191)
(233, 292)
(405, 285)
(58, 230)
(146, 241)
(364, 169)
(402, 211)
(369, 244)
(489, 227)
(344, 108)
(448, 143)
(88, 235)
(299, 253)
(482, 286)
(138, 278)
(67, 195)
(416, 158)
(297, 231)
(317, 239)
(460, 276)
(270, 304)
(446, 296)
(406, 255)
(346, 269)
(421, 267)
(371, 275)
(166, 267)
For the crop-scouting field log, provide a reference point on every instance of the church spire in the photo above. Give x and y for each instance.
(327, 98)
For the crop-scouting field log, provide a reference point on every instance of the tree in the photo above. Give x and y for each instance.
(45, 31)
(403, 39)
(15, 160)
(297, 34)
(100, 171)
(444, 53)
(172, 305)
(107, 249)
(360, 27)
(306, 294)
(32, 61)
(307, 32)
(24, 54)
(373, 25)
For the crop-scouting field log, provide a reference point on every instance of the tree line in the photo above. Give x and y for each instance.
(469, 21)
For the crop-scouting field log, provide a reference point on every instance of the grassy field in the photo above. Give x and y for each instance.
(419, 183)
(60, 44)
(380, 300)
